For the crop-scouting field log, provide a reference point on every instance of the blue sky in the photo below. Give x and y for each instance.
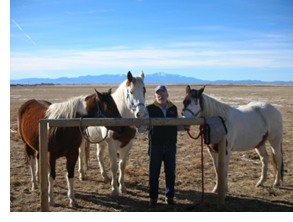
(208, 39)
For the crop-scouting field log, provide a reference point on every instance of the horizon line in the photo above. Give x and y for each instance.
(168, 81)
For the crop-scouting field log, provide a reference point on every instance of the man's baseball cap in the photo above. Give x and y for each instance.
(161, 87)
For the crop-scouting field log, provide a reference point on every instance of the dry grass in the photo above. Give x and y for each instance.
(94, 195)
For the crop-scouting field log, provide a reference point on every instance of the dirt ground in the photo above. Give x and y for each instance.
(93, 195)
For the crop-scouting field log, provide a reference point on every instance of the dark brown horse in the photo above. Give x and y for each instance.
(63, 141)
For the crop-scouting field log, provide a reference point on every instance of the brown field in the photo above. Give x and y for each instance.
(94, 195)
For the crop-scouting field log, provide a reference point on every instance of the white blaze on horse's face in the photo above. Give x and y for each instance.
(135, 94)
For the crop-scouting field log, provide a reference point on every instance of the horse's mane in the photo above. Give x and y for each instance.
(67, 109)
(214, 107)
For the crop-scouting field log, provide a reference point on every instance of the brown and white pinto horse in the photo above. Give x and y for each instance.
(62, 141)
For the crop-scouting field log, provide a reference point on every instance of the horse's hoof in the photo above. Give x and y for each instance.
(82, 178)
(276, 184)
(259, 184)
(215, 190)
(123, 190)
(114, 193)
(73, 204)
(52, 203)
(106, 179)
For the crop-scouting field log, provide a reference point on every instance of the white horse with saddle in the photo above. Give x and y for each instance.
(130, 100)
(249, 127)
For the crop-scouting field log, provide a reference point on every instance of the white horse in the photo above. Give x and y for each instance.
(248, 127)
(130, 101)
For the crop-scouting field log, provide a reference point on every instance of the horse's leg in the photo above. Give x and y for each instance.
(215, 162)
(100, 155)
(122, 164)
(112, 146)
(216, 167)
(71, 161)
(51, 179)
(81, 160)
(227, 161)
(31, 159)
(37, 167)
(277, 162)
(51, 190)
(263, 156)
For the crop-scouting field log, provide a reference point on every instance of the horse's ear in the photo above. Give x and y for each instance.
(201, 90)
(129, 76)
(141, 75)
(187, 89)
(110, 91)
(99, 95)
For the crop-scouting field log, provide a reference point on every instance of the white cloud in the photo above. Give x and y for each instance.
(160, 58)
(121, 57)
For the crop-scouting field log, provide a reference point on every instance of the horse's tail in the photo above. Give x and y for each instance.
(27, 158)
(19, 123)
(27, 149)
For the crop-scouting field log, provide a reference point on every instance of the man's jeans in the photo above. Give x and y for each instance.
(167, 154)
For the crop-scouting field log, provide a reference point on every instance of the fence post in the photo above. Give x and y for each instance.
(221, 174)
(43, 164)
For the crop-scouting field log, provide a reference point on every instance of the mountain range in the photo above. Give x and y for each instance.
(156, 78)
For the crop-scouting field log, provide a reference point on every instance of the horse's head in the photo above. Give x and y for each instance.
(193, 102)
(106, 106)
(135, 94)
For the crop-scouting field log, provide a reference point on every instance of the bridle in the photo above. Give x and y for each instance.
(130, 100)
(84, 130)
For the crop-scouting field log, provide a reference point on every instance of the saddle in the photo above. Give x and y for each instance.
(214, 131)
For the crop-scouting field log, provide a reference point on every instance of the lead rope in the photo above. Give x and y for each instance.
(200, 134)
(84, 132)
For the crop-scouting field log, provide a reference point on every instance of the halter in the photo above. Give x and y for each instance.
(133, 106)
(192, 113)
(85, 132)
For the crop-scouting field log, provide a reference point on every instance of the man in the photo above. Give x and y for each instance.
(162, 145)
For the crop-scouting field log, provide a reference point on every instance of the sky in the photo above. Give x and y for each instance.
(205, 39)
